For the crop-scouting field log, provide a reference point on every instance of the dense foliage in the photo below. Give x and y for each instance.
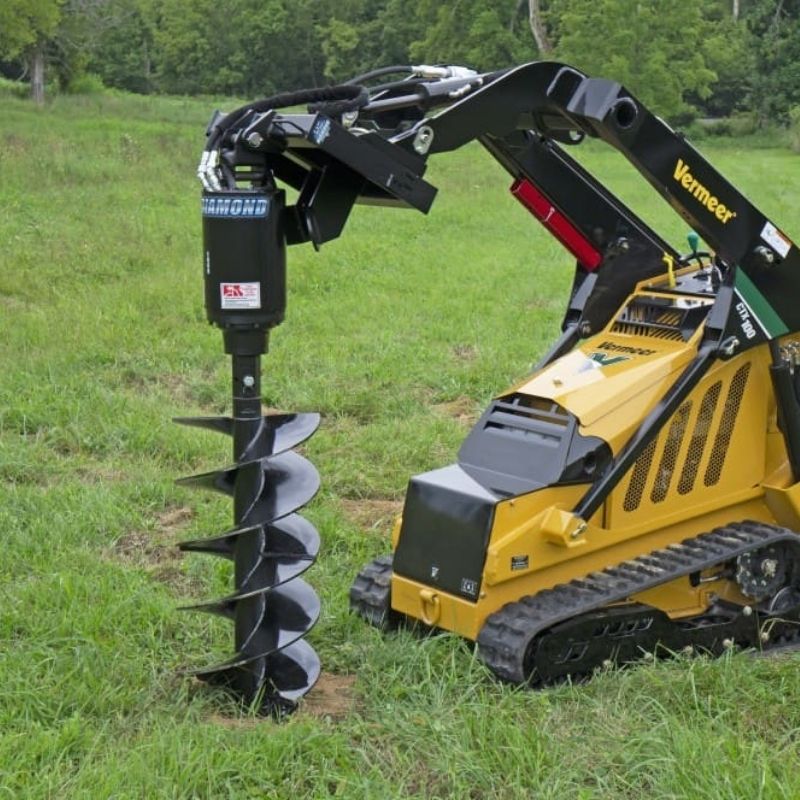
(686, 57)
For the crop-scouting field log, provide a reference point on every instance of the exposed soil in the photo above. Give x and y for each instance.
(465, 352)
(372, 515)
(157, 552)
(462, 410)
(174, 519)
(236, 722)
(331, 698)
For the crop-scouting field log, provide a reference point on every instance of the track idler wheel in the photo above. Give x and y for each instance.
(270, 545)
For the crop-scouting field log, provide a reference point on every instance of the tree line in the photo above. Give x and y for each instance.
(686, 58)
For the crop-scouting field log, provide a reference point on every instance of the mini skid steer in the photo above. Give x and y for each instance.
(639, 491)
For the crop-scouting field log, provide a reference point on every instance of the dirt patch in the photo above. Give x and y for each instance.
(236, 723)
(372, 515)
(462, 410)
(156, 551)
(174, 519)
(465, 352)
(331, 698)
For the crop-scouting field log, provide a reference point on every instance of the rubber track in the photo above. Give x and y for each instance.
(506, 635)
(370, 592)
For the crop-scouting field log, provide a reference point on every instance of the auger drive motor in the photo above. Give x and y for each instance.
(638, 492)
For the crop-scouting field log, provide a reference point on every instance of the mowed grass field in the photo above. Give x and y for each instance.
(399, 333)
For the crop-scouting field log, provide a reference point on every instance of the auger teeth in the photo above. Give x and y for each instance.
(274, 434)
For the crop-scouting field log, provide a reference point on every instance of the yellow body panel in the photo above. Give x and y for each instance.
(719, 459)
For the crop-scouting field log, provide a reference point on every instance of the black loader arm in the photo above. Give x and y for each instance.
(527, 117)
(522, 116)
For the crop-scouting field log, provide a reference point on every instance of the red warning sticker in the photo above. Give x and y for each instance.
(240, 295)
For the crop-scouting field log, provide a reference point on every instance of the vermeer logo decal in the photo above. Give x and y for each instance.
(700, 193)
(606, 360)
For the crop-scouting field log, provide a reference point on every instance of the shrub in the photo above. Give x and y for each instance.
(14, 88)
(85, 83)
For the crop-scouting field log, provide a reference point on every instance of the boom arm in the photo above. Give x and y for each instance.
(523, 116)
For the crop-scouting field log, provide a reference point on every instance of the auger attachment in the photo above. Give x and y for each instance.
(270, 545)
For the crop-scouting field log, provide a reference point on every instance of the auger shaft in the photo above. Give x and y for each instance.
(246, 381)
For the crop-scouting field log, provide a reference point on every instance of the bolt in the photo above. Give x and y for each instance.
(248, 381)
(769, 566)
(728, 347)
(255, 139)
(578, 531)
(747, 611)
(423, 140)
(764, 636)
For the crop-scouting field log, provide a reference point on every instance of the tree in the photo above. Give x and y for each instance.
(26, 27)
(775, 30)
(539, 28)
(654, 47)
(473, 33)
(123, 51)
(730, 52)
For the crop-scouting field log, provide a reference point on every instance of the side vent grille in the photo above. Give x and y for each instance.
(711, 425)
(729, 414)
(702, 428)
(659, 318)
(677, 430)
(641, 469)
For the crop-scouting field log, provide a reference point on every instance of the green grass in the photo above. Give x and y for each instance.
(396, 333)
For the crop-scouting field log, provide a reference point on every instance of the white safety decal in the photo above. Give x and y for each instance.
(775, 239)
(240, 295)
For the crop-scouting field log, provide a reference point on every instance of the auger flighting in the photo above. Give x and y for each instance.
(270, 545)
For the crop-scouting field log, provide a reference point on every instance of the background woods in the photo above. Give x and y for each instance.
(713, 58)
